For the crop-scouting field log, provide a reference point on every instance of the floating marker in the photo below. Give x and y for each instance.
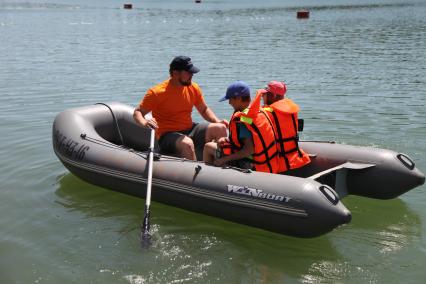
(127, 6)
(303, 14)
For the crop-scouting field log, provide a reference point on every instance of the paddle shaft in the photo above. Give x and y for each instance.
(146, 225)
(150, 162)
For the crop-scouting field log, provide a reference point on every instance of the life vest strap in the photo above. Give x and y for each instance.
(293, 117)
(289, 139)
(266, 160)
(280, 138)
(264, 151)
(289, 151)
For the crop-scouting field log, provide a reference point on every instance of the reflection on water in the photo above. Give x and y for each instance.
(380, 230)
(92, 200)
(191, 246)
(388, 225)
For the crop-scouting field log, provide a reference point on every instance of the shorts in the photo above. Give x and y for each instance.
(197, 133)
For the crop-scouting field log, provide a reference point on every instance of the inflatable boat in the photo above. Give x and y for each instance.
(102, 145)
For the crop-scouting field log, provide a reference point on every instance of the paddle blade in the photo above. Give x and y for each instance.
(145, 235)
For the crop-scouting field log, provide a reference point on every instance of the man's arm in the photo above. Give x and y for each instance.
(208, 114)
(139, 117)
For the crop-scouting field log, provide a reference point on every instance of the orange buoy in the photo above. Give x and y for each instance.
(127, 6)
(303, 14)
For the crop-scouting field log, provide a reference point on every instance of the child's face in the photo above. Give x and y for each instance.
(234, 102)
(238, 103)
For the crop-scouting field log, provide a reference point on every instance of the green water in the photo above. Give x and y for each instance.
(356, 68)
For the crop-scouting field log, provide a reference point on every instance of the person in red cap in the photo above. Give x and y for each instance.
(171, 103)
(273, 92)
(283, 114)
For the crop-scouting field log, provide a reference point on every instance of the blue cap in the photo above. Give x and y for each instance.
(236, 89)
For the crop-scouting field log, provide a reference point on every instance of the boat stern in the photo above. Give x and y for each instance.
(393, 175)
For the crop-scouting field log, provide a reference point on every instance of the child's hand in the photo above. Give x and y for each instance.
(220, 162)
(222, 141)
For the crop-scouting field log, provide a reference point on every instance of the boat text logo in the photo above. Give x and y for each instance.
(258, 193)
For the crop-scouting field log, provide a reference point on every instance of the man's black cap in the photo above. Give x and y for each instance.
(183, 63)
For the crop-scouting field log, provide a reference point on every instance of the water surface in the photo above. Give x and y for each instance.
(356, 68)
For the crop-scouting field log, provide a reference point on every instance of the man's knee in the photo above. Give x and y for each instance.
(215, 131)
(185, 146)
(185, 143)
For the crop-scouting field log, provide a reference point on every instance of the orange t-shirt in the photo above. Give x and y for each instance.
(172, 105)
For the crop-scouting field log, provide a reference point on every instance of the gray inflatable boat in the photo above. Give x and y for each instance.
(102, 145)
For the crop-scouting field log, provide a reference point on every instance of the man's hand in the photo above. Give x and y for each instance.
(150, 123)
(144, 120)
(224, 122)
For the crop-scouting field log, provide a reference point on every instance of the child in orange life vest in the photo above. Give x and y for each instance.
(250, 135)
(282, 113)
(219, 153)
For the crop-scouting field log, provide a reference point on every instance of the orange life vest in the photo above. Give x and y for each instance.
(266, 154)
(283, 116)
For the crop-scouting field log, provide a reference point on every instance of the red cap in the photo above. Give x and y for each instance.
(276, 88)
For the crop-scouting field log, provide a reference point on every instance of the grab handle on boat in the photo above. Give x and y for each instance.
(406, 161)
(329, 194)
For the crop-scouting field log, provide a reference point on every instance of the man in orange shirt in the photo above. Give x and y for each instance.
(171, 103)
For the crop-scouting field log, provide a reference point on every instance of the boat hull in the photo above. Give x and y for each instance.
(102, 145)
